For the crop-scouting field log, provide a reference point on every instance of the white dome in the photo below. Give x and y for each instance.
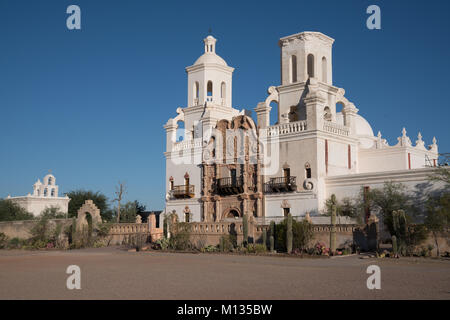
(363, 129)
(210, 57)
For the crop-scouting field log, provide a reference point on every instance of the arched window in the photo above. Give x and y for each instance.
(308, 171)
(310, 65)
(324, 69)
(327, 114)
(293, 69)
(45, 192)
(209, 89)
(52, 193)
(186, 216)
(181, 132)
(223, 92)
(50, 180)
(196, 92)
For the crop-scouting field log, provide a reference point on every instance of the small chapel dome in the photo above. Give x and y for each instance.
(210, 55)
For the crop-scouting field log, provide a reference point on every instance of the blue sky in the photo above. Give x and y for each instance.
(90, 104)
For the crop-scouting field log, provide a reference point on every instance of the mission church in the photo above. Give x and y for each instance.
(221, 164)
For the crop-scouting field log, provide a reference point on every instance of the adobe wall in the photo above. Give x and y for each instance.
(22, 229)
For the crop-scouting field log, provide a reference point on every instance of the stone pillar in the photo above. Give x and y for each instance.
(349, 112)
(171, 134)
(315, 103)
(263, 115)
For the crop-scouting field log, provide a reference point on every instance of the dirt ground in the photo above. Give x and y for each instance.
(113, 273)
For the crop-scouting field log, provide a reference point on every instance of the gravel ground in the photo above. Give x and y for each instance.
(112, 273)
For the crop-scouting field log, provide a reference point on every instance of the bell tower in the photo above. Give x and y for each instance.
(209, 78)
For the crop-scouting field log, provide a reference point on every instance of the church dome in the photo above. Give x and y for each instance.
(363, 129)
(210, 55)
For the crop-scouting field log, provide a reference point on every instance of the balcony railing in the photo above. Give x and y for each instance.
(183, 191)
(286, 128)
(230, 185)
(280, 184)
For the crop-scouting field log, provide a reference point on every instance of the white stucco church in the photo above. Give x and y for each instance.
(221, 164)
(45, 195)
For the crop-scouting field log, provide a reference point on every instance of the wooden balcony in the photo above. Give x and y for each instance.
(183, 191)
(280, 184)
(230, 185)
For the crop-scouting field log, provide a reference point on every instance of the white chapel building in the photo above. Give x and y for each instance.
(45, 195)
(221, 164)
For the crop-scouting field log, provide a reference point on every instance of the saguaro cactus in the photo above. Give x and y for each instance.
(272, 236)
(400, 229)
(394, 246)
(221, 244)
(245, 229)
(264, 238)
(289, 235)
(333, 225)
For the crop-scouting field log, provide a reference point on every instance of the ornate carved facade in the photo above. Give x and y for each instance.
(231, 175)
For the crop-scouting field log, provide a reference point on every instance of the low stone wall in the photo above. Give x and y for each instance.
(120, 232)
(22, 229)
(209, 233)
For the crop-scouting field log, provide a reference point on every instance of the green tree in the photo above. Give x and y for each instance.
(52, 213)
(128, 212)
(386, 200)
(438, 216)
(78, 197)
(10, 211)
(347, 207)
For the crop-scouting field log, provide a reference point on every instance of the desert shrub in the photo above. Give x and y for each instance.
(15, 243)
(180, 237)
(136, 241)
(161, 244)
(210, 248)
(226, 243)
(256, 248)
(302, 232)
(3, 240)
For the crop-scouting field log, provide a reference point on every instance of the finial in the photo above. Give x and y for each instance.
(404, 132)
(419, 136)
(434, 140)
(379, 134)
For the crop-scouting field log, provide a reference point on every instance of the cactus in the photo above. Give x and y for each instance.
(264, 238)
(333, 225)
(245, 229)
(221, 244)
(394, 246)
(289, 234)
(272, 236)
(400, 229)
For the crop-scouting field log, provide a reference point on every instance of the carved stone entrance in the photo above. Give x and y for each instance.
(88, 208)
